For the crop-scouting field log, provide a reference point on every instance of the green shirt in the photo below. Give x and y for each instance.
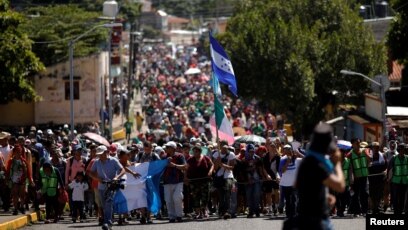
(128, 126)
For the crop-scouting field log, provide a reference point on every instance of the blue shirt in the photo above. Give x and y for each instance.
(106, 170)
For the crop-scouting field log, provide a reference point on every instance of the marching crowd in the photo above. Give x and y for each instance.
(203, 177)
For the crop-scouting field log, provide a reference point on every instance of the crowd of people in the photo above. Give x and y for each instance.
(203, 177)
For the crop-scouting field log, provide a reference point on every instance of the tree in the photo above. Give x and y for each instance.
(54, 26)
(17, 61)
(289, 54)
(398, 34)
(397, 40)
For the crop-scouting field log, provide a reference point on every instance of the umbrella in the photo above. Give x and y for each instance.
(97, 138)
(239, 131)
(199, 119)
(342, 144)
(192, 71)
(251, 139)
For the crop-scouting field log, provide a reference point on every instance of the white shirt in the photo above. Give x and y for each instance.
(6, 152)
(289, 176)
(222, 171)
(78, 190)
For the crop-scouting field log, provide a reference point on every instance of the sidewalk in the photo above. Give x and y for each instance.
(118, 129)
(8, 221)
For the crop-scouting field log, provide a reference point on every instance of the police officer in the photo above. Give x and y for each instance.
(359, 166)
(398, 174)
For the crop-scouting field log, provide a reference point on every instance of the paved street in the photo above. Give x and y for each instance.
(238, 223)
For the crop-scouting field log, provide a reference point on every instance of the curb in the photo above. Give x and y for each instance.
(19, 222)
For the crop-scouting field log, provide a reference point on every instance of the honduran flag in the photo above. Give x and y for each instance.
(219, 120)
(142, 192)
(221, 66)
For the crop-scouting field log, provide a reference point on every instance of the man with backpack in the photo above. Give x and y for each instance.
(224, 162)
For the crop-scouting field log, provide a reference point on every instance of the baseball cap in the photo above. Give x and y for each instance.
(49, 132)
(77, 147)
(113, 148)
(171, 144)
(287, 147)
(158, 149)
(101, 149)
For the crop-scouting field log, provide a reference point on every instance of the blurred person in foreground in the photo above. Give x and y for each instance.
(318, 173)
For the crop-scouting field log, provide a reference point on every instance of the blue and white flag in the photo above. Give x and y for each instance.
(221, 66)
(142, 192)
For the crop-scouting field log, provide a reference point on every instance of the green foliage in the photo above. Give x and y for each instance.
(56, 26)
(150, 32)
(397, 40)
(289, 54)
(17, 61)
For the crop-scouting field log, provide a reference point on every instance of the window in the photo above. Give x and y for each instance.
(76, 90)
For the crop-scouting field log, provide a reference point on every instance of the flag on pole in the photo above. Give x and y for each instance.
(219, 120)
(142, 192)
(221, 66)
(216, 86)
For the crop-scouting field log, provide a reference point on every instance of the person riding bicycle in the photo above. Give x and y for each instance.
(106, 169)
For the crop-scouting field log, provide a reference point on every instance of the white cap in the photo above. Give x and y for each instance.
(193, 139)
(171, 144)
(49, 132)
(39, 131)
(158, 149)
(65, 126)
(101, 149)
(287, 147)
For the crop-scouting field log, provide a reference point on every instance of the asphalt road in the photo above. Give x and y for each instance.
(263, 223)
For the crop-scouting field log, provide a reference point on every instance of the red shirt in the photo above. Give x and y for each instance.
(198, 169)
(94, 183)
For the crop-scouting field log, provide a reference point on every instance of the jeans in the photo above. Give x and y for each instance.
(89, 200)
(253, 196)
(290, 198)
(234, 199)
(107, 206)
(281, 199)
(173, 194)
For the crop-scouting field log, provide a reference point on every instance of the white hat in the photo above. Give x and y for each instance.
(49, 132)
(193, 139)
(66, 126)
(101, 149)
(158, 149)
(4, 135)
(287, 147)
(39, 131)
(171, 144)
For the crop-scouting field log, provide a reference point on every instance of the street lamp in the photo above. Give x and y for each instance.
(71, 68)
(382, 95)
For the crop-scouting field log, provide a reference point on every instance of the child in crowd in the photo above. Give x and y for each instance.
(78, 186)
